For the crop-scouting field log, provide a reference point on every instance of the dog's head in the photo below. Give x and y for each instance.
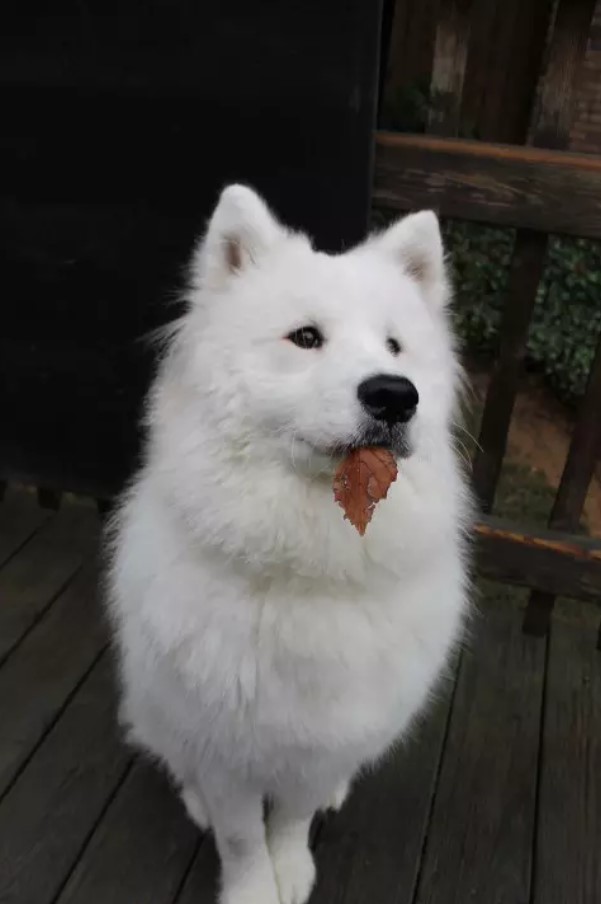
(304, 355)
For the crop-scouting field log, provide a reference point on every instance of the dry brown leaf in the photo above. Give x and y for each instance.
(362, 479)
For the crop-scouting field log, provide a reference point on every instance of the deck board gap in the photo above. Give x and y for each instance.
(51, 725)
(93, 829)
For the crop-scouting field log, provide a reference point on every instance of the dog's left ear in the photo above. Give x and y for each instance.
(240, 231)
(416, 243)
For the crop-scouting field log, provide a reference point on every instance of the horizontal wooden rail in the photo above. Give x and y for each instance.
(504, 185)
(549, 561)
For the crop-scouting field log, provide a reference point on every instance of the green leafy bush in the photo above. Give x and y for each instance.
(567, 315)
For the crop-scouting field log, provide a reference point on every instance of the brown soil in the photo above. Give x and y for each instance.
(539, 437)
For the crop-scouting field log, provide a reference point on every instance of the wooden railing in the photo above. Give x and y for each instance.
(503, 185)
(551, 562)
(538, 189)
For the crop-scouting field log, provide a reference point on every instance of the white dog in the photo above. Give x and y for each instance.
(267, 651)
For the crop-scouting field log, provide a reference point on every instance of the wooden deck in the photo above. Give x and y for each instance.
(496, 800)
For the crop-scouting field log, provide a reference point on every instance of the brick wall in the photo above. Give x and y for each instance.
(585, 134)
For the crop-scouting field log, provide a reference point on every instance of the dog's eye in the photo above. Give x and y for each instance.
(394, 347)
(306, 337)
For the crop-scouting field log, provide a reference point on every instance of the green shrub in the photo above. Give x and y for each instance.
(479, 261)
(567, 315)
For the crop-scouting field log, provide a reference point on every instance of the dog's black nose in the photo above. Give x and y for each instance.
(389, 398)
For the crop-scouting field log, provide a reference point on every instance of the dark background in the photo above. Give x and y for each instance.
(121, 122)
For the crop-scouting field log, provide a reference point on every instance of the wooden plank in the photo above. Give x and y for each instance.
(202, 882)
(582, 456)
(575, 480)
(141, 849)
(550, 561)
(372, 849)
(504, 185)
(550, 128)
(448, 69)
(36, 681)
(480, 839)
(20, 517)
(32, 579)
(553, 118)
(49, 499)
(498, 98)
(568, 862)
(48, 814)
(526, 271)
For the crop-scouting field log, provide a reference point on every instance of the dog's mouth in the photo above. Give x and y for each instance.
(394, 439)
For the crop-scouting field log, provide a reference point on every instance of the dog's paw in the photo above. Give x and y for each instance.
(249, 892)
(294, 871)
(195, 807)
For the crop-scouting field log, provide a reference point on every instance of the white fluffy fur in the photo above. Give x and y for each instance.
(267, 651)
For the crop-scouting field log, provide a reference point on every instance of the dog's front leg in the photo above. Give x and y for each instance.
(236, 814)
(288, 840)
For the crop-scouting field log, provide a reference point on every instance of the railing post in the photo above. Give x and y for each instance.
(573, 487)
(550, 129)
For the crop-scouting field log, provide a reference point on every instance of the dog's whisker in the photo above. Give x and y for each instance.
(458, 425)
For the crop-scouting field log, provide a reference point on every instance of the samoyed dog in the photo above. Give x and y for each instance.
(267, 651)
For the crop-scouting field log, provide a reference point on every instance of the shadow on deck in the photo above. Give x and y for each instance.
(496, 800)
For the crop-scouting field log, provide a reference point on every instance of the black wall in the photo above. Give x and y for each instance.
(121, 120)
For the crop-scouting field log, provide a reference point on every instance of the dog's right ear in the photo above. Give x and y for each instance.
(416, 244)
(240, 231)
